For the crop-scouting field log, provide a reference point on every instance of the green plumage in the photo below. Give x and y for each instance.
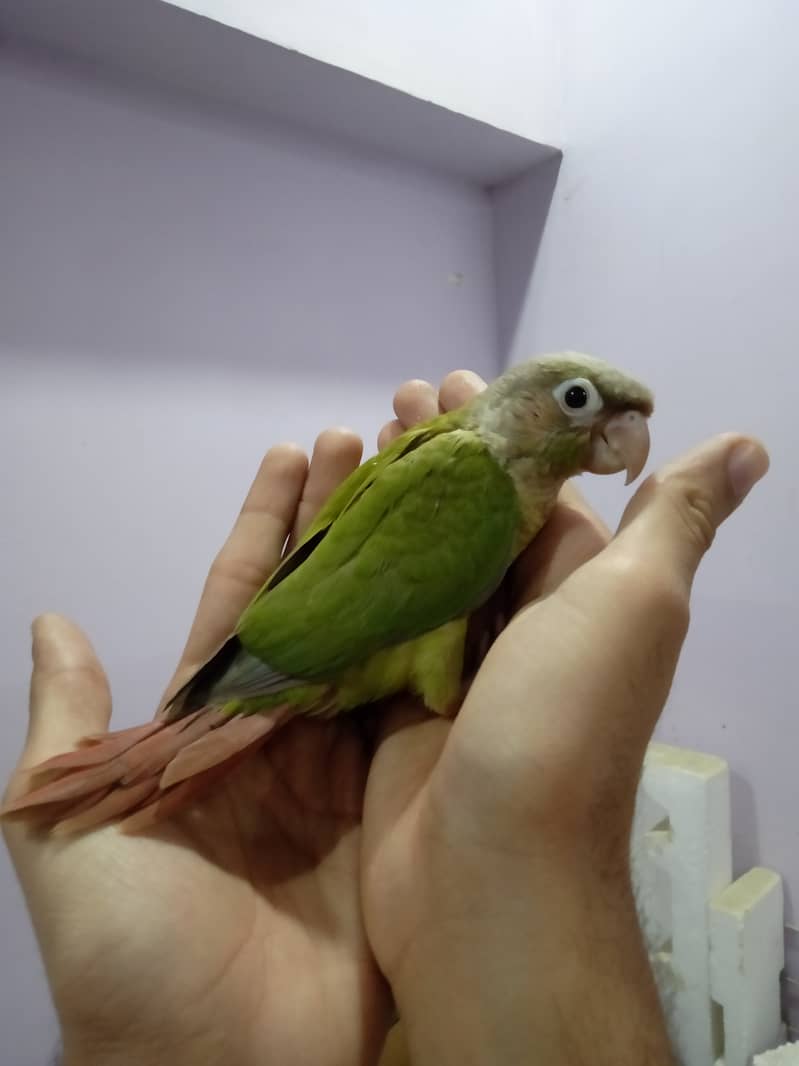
(416, 550)
(377, 595)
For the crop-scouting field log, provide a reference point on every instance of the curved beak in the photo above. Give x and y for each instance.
(621, 443)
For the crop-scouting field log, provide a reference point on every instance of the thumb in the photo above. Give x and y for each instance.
(69, 693)
(672, 519)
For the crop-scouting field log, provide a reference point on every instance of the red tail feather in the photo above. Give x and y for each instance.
(150, 756)
(146, 773)
(179, 797)
(116, 802)
(99, 749)
(238, 735)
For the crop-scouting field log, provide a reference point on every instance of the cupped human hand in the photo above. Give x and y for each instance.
(496, 877)
(232, 933)
(236, 931)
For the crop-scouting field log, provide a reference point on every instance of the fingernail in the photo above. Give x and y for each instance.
(745, 467)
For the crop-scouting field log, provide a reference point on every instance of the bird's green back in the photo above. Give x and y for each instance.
(417, 536)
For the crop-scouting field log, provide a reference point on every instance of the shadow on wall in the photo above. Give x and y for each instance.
(520, 208)
(744, 819)
(790, 984)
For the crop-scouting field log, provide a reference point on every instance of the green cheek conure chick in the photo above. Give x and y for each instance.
(376, 597)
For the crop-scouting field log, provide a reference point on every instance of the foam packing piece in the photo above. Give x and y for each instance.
(716, 946)
(785, 1055)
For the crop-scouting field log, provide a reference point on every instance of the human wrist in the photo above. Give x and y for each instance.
(556, 973)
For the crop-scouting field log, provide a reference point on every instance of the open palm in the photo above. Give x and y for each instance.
(235, 929)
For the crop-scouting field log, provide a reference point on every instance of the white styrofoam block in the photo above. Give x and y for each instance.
(747, 954)
(786, 1055)
(682, 857)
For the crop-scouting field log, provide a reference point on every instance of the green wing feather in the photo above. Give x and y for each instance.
(350, 490)
(416, 537)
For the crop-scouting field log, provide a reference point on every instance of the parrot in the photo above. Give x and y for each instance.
(376, 597)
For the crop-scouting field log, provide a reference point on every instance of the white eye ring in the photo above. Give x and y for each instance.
(579, 399)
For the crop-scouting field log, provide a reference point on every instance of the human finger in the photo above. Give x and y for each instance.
(672, 520)
(390, 431)
(415, 401)
(250, 553)
(573, 534)
(69, 693)
(458, 388)
(337, 452)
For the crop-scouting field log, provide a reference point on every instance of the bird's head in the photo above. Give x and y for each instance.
(574, 412)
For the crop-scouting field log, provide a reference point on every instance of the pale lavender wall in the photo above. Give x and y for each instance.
(137, 253)
(673, 247)
(176, 294)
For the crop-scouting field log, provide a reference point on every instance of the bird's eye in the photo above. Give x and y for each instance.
(579, 398)
(576, 396)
